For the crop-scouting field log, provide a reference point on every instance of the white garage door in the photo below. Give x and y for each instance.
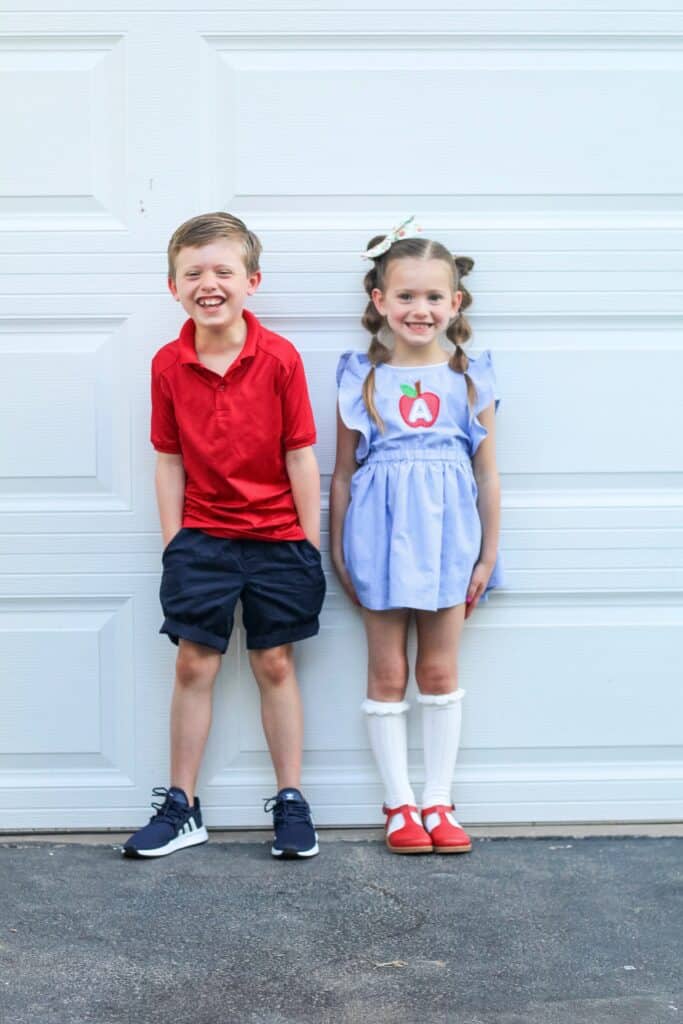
(544, 140)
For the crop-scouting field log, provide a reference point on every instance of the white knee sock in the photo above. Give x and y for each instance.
(441, 718)
(389, 742)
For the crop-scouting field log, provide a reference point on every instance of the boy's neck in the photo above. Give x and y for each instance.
(226, 338)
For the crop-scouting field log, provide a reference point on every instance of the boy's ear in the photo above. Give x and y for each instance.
(172, 289)
(254, 280)
(378, 300)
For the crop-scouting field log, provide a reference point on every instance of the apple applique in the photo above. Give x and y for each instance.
(418, 408)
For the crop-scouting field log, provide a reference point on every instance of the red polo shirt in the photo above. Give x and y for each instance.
(233, 432)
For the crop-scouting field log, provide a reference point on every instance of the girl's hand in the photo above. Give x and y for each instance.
(480, 577)
(345, 580)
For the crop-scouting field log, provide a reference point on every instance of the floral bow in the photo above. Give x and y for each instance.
(408, 229)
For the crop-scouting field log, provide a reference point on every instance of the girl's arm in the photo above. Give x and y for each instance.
(340, 493)
(304, 476)
(488, 504)
(169, 480)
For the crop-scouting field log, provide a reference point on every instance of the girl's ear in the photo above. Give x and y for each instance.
(378, 300)
(457, 301)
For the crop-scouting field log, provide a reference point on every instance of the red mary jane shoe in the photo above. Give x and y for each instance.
(404, 832)
(446, 834)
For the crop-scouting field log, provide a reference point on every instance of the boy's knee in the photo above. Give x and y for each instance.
(196, 666)
(436, 677)
(273, 666)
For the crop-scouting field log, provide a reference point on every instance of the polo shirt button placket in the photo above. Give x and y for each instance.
(221, 404)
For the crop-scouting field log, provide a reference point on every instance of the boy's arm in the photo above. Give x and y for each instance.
(169, 480)
(340, 494)
(304, 477)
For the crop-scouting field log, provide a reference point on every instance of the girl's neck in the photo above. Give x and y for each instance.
(404, 355)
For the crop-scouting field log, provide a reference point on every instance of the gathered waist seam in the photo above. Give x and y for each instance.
(456, 455)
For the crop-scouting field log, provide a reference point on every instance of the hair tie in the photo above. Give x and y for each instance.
(405, 230)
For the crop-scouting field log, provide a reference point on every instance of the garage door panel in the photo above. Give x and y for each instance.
(68, 92)
(69, 693)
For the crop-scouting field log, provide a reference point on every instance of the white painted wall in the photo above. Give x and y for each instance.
(544, 140)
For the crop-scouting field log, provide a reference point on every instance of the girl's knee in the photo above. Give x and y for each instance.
(387, 680)
(436, 677)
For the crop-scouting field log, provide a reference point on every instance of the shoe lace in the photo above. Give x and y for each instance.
(285, 811)
(168, 810)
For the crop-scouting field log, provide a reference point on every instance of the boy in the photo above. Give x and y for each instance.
(238, 491)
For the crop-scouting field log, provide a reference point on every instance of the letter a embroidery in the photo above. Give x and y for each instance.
(418, 408)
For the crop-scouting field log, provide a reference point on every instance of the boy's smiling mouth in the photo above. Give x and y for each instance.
(207, 303)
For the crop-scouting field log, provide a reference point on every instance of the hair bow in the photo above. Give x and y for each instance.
(408, 229)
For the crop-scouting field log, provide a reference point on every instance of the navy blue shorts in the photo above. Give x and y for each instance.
(280, 583)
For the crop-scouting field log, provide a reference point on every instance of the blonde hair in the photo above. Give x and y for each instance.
(459, 330)
(207, 228)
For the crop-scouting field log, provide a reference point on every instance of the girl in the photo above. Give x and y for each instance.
(414, 515)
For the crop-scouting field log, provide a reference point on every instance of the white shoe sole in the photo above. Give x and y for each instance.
(295, 854)
(179, 843)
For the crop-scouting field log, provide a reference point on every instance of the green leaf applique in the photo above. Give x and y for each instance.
(408, 390)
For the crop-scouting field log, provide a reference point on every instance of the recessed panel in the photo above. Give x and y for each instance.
(63, 160)
(51, 699)
(48, 416)
(67, 689)
(389, 119)
(596, 674)
(64, 417)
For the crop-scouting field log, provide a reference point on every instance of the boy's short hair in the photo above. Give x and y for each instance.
(207, 228)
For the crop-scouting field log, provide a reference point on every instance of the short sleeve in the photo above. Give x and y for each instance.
(482, 375)
(165, 435)
(352, 370)
(298, 425)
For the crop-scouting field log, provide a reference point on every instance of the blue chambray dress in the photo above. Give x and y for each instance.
(412, 532)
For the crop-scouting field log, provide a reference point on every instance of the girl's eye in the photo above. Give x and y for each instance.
(435, 297)
(405, 296)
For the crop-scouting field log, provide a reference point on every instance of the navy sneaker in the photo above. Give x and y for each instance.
(294, 832)
(174, 826)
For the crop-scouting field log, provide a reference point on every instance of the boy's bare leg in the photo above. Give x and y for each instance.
(196, 669)
(281, 711)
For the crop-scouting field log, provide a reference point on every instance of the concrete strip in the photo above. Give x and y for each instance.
(353, 835)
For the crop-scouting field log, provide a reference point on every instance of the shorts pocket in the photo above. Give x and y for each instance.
(310, 551)
(172, 541)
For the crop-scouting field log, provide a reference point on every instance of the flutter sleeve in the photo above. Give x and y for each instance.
(482, 374)
(352, 370)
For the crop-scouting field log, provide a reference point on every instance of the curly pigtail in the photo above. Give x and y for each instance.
(459, 330)
(378, 352)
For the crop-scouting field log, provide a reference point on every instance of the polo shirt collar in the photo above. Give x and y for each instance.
(188, 351)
